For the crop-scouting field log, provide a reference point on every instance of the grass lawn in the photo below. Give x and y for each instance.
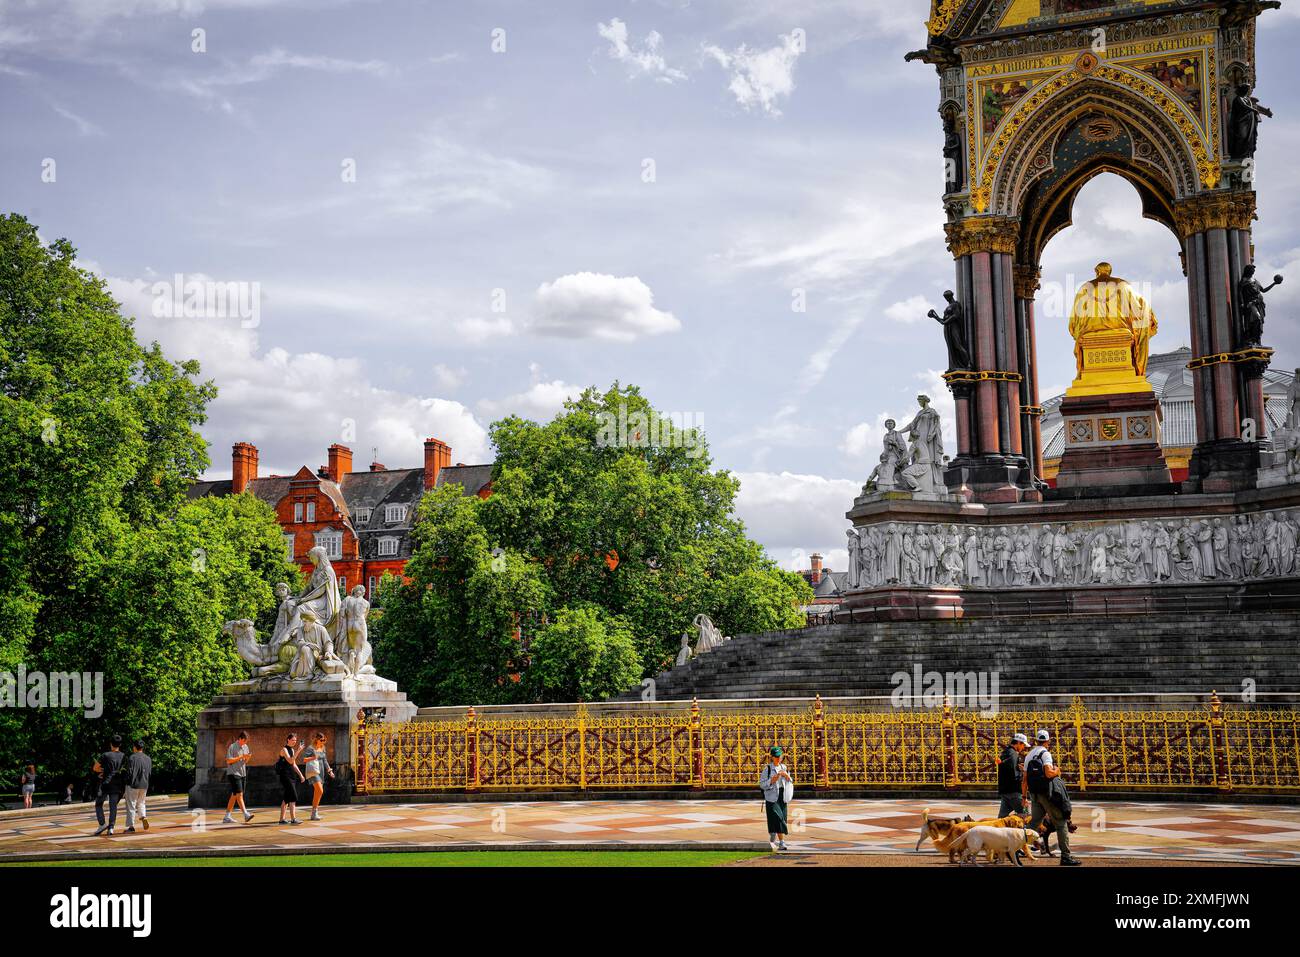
(492, 858)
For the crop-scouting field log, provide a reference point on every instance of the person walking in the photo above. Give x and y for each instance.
(778, 792)
(316, 766)
(237, 756)
(1040, 769)
(111, 785)
(27, 786)
(1010, 771)
(135, 774)
(287, 770)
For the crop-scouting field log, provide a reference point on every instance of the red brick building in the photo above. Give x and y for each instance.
(363, 519)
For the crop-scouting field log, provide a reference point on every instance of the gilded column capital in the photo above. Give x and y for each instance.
(1025, 278)
(982, 234)
(1220, 209)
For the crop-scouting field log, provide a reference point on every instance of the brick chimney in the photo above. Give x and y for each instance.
(243, 466)
(340, 462)
(378, 467)
(437, 456)
(816, 568)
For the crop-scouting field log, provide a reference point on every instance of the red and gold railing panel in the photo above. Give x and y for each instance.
(1212, 749)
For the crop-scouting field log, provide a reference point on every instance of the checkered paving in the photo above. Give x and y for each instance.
(1155, 831)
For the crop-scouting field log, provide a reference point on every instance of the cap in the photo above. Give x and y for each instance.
(776, 750)
(1043, 735)
(1019, 738)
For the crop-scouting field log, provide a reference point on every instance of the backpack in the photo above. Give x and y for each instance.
(1036, 774)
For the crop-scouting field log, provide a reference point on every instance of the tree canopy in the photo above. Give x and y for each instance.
(107, 567)
(603, 526)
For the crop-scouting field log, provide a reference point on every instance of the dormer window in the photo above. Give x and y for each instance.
(387, 546)
(331, 541)
(394, 513)
(363, 516)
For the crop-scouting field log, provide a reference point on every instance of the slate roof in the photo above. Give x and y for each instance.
(470, 477)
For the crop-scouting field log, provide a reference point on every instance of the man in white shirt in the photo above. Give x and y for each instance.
(1036, 785)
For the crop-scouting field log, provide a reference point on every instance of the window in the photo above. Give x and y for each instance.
(388, 546)
(297, 511)
(394, 513)
(343, 584)
(331, 541)
(363, 516)
(288, 547)
(311, 511)
(370, 591)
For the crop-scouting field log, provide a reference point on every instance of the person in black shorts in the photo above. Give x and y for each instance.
(290, 775)
(237, 756)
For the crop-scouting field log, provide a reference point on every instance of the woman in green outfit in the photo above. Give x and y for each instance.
(778, 792)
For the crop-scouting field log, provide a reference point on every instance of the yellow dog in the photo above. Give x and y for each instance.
(944, 832)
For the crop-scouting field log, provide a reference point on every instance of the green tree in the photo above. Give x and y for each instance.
(107, 567)
(584, 655)
(644, 531)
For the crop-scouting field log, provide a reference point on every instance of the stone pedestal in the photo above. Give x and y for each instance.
(1112, 441)
(268, 712)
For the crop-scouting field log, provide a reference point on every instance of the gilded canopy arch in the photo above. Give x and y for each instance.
(1158, 140)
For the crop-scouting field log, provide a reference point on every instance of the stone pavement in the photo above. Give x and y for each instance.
(1155, 832)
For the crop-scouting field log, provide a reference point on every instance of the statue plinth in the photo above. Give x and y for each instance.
(1107, 366)
(1112, 440)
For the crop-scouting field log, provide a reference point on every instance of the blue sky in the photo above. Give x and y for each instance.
(633, 191)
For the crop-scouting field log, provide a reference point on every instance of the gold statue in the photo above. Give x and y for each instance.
(1112, 326)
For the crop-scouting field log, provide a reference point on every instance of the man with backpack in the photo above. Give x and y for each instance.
(1010, 773)
(1040, 769)
(111, 785)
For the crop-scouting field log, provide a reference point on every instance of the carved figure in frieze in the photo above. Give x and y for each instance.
(893, 570)
(1002, 557)
(954, 561)
(1219, 542)
(854, 547)
(1288, 536)
(1237, 532)
(970, 548)
(1162, 545)
(911, 563)
(1098, 563)
(1204, 532)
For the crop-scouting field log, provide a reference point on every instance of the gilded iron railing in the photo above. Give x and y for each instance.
(946, 749)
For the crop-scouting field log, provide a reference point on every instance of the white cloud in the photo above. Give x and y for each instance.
(599, 306)
(794, 515)
(861, 439)
(540, 402)
(475, 331)
(295, 404)
(911, 309)
(449, 378)
(647, 61)
(759, 78)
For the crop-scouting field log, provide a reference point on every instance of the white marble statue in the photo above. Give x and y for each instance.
(309, 634)
(709, 635)
(684, 652)
(354, 632)
(925, 453)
